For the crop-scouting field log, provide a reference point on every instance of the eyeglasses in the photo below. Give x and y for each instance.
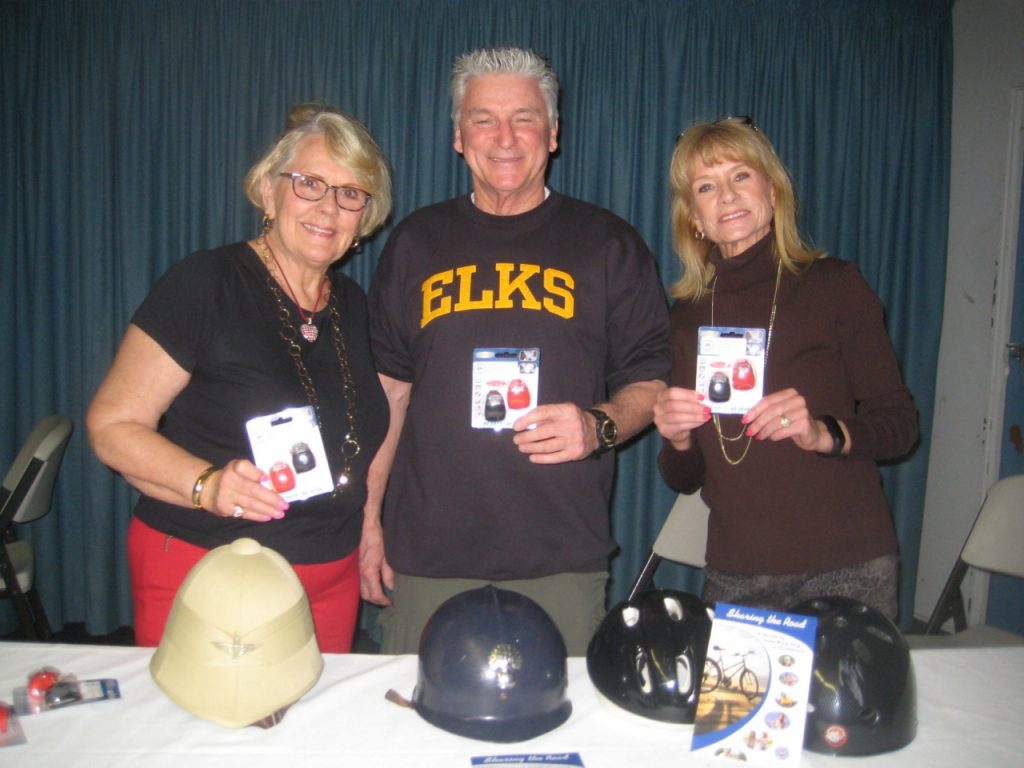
(311, 188)
(746, 120)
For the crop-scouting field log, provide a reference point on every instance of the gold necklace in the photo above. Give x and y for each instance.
(722, 439)
(350, 447)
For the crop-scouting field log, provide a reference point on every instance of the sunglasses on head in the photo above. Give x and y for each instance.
(746, 120)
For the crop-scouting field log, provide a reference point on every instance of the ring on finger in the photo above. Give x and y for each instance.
(237, 511)
(784, 420)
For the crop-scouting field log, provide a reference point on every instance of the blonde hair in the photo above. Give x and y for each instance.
(349, 145)
(738, 140)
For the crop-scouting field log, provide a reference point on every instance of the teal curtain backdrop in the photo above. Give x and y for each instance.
(127, 125)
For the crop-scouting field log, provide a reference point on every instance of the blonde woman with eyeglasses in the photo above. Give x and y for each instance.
(259, 347)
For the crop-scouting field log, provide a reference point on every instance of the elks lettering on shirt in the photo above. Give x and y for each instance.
(519, 286)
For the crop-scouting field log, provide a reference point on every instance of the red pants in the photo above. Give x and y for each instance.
(159, 564)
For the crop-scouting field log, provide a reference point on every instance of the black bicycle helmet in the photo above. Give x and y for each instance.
(647, 655)
(492, 666)
(863, 699)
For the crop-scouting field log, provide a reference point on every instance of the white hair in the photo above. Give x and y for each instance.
(504, 61)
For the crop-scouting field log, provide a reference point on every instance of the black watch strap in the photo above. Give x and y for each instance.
(606, 431)
(838, 438)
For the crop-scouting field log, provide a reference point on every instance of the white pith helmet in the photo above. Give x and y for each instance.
(239, 644)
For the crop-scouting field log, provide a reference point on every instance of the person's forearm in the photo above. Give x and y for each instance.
(151, 463)
(380, 468)
(632, 407)
(682, 471)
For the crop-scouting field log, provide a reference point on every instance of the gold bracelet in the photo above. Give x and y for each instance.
(197, 488)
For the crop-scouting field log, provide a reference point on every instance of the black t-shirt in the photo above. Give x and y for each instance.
(215, 315)
(568, 278)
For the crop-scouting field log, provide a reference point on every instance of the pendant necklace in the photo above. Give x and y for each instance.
(722, 439)
(350, 447)
(309, 331)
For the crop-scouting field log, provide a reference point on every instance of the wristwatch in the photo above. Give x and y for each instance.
(838, 438)
(606, 431)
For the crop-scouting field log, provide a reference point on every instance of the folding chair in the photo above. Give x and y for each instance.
(995, 544)
(682, 539)
(25, 496)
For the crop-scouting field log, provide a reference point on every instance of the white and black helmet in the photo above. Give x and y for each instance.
(647, 655)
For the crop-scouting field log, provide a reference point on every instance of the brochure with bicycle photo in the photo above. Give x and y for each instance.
(753, 697)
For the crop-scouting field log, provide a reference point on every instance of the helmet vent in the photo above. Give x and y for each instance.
(869, 716)
(674, 609)
(684, 677)
(644, 675)
(881, 634)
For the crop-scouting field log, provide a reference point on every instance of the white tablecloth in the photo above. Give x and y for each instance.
(970, 713)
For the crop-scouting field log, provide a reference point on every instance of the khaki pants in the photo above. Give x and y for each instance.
(574, 601)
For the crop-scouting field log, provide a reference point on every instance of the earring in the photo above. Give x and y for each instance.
(268, 223)
(698, 235)
(355, 244)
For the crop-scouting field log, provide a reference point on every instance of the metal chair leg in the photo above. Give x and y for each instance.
(41, 624)
(646, 577)
(951, 603)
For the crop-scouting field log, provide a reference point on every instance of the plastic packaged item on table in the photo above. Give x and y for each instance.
(47, 688)
(11, 732)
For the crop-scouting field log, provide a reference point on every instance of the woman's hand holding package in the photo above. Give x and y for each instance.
(677, 412)
(783, 415)
(238, 486)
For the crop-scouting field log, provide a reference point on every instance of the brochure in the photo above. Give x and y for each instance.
(753, 700)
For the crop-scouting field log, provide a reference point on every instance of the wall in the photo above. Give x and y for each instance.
(988, 45)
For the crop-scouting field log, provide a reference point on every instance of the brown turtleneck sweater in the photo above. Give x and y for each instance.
(784, 510)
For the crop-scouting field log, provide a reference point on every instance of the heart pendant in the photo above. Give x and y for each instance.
(309, 332)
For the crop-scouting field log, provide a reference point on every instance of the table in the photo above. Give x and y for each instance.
(970, 712)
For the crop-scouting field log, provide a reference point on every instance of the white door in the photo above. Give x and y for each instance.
(1006, 594)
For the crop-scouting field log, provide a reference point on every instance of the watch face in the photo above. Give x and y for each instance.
(606, 430)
